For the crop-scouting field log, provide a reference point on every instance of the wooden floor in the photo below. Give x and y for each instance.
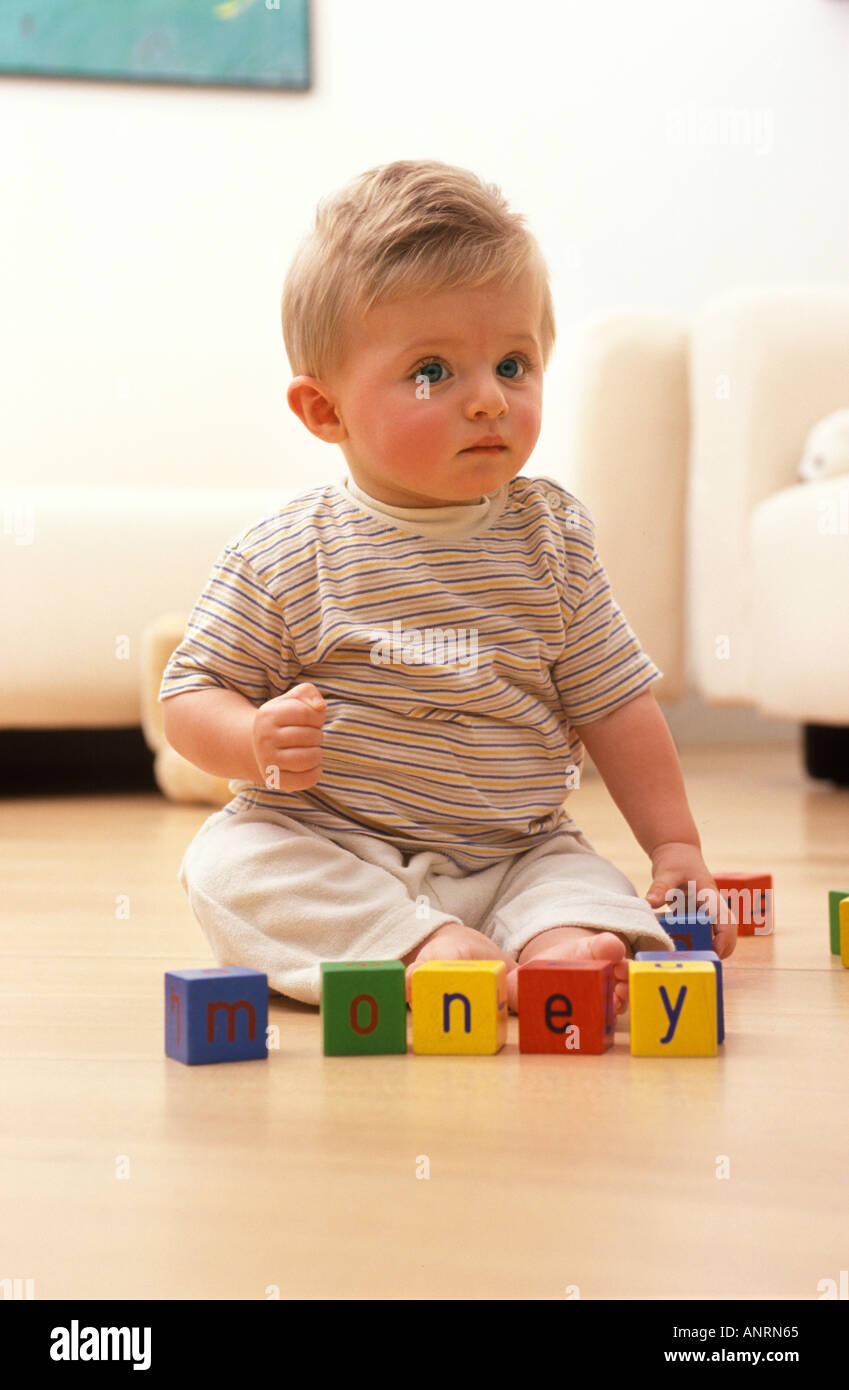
(298, 1173)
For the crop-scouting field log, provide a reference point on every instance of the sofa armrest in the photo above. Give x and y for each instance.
(630, 468)
(83, 571)
(765, 365)
(800, 602)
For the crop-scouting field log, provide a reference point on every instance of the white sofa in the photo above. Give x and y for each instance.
(85, 569)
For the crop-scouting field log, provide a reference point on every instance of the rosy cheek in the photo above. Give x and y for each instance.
(531, 416)
(422, 424)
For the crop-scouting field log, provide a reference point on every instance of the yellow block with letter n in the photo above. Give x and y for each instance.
(459, 1006)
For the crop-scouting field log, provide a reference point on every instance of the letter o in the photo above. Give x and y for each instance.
(355, 1003)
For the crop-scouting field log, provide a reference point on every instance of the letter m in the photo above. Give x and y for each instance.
(231, 1019)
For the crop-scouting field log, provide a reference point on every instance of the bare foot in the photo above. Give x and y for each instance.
(578, 943)
(455, 941)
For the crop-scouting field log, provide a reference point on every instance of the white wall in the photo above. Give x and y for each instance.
(662, 150)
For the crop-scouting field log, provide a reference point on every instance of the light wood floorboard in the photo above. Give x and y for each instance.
(299, 1173)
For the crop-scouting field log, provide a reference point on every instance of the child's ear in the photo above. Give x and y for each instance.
(313, 404)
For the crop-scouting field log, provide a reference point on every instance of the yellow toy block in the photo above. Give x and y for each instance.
(459, 1006)
(843, 918)
(673, 1008)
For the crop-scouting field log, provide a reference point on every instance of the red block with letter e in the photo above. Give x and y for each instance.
(216, 1015)
(565, 1006)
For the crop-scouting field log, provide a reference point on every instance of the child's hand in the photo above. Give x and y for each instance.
(287, 734)
(680, 865)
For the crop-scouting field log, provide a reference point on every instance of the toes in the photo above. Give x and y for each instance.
(606, 946)
(409, 977)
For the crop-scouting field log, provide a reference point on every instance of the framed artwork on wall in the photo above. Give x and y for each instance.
(222, 43)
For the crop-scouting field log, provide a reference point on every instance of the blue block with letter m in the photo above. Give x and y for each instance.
(216, 1015)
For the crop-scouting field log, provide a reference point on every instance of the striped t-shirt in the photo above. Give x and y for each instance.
(455, 648)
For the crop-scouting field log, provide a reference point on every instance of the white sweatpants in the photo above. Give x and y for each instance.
(278, 896)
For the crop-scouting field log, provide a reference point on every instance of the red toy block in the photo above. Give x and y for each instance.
(750, 898)
(565, 1006)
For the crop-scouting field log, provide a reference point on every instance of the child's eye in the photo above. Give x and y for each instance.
(423, 367)
(518, 357)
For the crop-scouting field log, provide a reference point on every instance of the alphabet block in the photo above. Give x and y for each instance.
(844, 932)
(834, 900)
(363, 1007)
(565, 1006)
(216, 1015)
(750, 898)
(691, 931)
(459, 1006)
(696, 955)
(673, 1008)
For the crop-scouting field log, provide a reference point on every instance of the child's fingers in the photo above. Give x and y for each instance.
(309, 694)
(725, 923)
(725, 939)
(660, 885)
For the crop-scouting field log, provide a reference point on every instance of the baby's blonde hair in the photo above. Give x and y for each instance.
(410, 227)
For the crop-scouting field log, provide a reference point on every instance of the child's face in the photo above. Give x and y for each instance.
(405, 443)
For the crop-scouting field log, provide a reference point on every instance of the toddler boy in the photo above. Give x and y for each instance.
(400, 672)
